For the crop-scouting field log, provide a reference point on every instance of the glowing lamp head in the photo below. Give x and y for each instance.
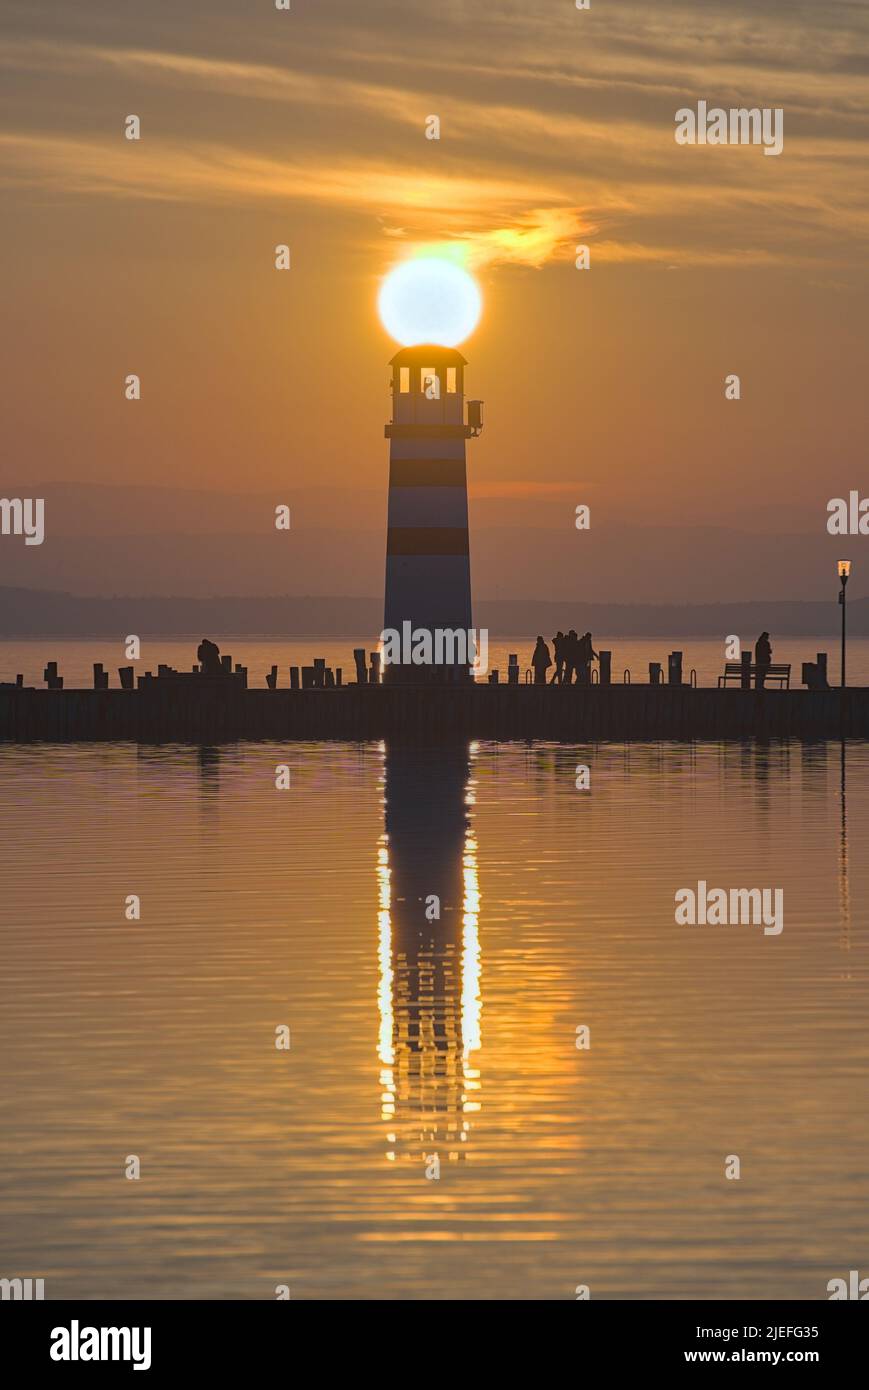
(844, 569)
(429, 301)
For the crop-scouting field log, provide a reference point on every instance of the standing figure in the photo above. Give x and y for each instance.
(541, 661)
(558, 653)
(762, 659)
(587, 655)
(571, 656)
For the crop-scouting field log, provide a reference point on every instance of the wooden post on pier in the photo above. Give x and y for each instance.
(339, 675)
(272, 678)
(745, 673)
(512, 669)
(361, 669)
(101, 677)
(126, 674)
(654, 673)
(374, 678)
(674, 668)
(319, 672)
(605, 661)
(294, 677)
(51, 678)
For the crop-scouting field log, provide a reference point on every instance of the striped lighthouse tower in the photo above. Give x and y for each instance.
(428, 568)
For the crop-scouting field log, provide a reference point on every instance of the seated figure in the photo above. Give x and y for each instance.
(208, 656)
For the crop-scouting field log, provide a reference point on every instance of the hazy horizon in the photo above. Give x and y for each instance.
(138, 539)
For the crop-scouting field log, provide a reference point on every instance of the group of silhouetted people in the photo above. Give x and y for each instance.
(574, 655)
(573, 658)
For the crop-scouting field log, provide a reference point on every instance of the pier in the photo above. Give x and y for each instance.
(217, 712)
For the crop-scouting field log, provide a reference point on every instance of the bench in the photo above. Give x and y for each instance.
(774, 672)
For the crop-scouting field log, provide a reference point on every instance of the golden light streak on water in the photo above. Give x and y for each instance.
(262, 908)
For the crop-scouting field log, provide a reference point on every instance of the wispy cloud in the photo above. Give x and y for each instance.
(560, 141)
(464, 207)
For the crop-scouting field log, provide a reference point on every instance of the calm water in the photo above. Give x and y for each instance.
(306, 907)
(706, 656)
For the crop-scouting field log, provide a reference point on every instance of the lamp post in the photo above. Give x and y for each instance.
(844, 572)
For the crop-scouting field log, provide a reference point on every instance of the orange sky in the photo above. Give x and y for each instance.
(605, 386)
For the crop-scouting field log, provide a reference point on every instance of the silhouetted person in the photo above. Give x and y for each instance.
(586, 656)
(208, 656)
(541, 661)
(558, 653)
(762, 659)
(571, 656)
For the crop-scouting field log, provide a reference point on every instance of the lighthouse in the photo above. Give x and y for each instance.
(428, 563)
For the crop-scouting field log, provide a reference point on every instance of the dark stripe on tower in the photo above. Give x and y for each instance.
(427, 473)
(427, 540)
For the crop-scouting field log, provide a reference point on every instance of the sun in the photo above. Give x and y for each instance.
(429, 300)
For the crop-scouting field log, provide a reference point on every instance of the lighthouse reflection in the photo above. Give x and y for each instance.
(429, 954)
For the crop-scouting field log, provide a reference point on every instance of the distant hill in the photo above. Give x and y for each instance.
(53, 613)
(159, 542)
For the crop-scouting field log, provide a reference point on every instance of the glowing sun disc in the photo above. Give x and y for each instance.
(429, 301)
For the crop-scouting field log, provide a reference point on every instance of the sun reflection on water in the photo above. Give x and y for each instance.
(429, 993)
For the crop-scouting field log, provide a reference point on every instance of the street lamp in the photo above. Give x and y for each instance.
(844, 572)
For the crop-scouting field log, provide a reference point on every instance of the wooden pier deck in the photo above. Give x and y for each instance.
(575, 714)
